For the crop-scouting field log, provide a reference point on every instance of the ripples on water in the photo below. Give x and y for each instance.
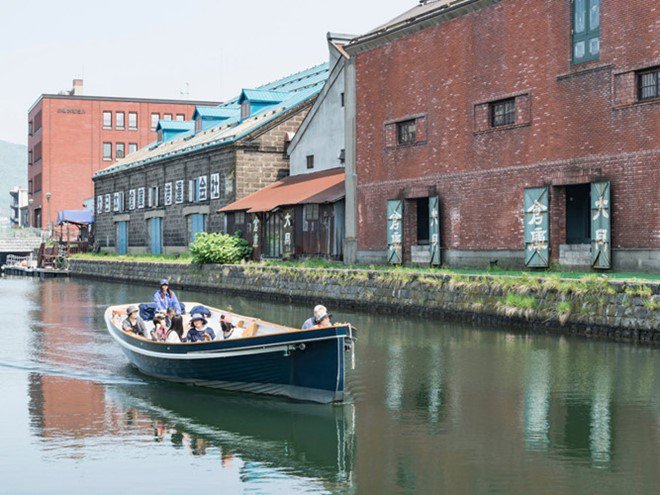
(436, 408)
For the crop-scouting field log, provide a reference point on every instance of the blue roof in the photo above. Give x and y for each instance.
(216, 112)
(175, 125)
(263, 96)
(294, 90)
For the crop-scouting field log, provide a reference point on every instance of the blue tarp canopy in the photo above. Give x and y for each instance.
(78, 217)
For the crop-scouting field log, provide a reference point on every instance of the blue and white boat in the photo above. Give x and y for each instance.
(259, 357)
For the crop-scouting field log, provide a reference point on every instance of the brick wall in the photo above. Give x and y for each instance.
(574, 123)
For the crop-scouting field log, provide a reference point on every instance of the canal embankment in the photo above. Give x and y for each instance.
(598, 307)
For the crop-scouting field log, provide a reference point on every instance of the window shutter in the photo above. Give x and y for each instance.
(536, 227)
(394, 231)
(434, 229)
(601, 253)
(150, 197)
(121, 200)
(191, 191)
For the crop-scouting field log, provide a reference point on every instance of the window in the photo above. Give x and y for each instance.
(37, 183)
(586, 30)
(239, 218)
(167, 116)
(405, 132)
(30, 187)
(180, 117)
(155, 117)
(30, 157)
(153, 196)
(120, 120)
(648, 83)
(422, 221)
(310, 161)
(132, 148)
(107, 120)
(311, 212)
(107, 151)
(132, 120)
(342, 100)
(37, 152)
(245, 109)
(120, 150)
(503, 112)
(30, 128)
(37, 121)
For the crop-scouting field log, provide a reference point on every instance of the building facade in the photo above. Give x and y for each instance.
(72, 136)
(19, 207)
(303, 214)
(516, 132)
(159, 198)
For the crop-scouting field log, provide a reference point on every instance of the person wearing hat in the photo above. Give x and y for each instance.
(164, 298)
(320, 313)
(199, 331)
(133, 323)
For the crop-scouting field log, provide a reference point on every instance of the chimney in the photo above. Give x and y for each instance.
(77, 87)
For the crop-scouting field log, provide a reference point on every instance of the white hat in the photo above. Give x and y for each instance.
(320, 312)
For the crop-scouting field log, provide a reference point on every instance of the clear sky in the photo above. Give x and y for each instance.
(152, 48)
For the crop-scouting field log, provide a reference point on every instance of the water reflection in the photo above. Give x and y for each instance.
(437, 408)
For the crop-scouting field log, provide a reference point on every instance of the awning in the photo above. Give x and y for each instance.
(318, 187)
(78, 217)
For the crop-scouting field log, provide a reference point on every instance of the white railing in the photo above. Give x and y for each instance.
(22, 261)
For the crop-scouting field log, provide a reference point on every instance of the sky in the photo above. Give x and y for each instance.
(151, 49)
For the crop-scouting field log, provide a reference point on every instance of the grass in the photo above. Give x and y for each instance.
(521, 281)
(520, 302)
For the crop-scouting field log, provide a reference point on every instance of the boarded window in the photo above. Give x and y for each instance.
(310, 161)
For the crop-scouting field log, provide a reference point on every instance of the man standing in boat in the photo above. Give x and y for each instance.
(320, 314)
(165, 298)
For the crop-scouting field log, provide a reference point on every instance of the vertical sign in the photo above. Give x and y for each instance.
(434, 229)
(191, 190)
(167, 194)
(215, 186)
(202, 188)
(601, 253)
(107, 203)
(178, 192)
(131, 199)
(287, 232)
(394, 231)
(536, 227)
(99, 204)
(150, 197)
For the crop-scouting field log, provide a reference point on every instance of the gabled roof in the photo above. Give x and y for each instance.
(218, 113)
(175, 125)
(263, 96)
(300, 88)
(326, 186)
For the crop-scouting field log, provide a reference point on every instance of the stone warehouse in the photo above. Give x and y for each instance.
(509, 132)
(157, 199)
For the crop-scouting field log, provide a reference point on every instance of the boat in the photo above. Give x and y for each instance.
(259, 357)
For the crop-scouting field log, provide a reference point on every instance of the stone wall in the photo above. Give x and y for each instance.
(591, 307)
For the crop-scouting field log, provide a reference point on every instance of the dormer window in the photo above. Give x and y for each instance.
(245, 109)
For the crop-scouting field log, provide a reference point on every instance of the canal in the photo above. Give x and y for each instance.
(437, 408)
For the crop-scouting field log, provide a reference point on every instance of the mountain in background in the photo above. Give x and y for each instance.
(13, 172)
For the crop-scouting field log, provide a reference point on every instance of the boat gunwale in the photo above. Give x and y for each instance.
(236, 342)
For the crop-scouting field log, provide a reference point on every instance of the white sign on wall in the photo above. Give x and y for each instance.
(131, 199)
(178, 192)
(167, 194)
(215, 186)
(140, 197)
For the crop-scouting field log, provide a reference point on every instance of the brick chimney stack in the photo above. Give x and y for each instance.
(77, 87)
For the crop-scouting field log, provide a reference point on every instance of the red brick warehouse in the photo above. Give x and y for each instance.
(534, 123)
(71, 136)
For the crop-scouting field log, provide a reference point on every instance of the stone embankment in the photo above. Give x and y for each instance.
(593, 307)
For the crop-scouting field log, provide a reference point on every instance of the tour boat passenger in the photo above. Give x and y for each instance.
(165, 298)
(133, 323)
(199, 331)
(159, 333)
(227, 327)
(175, 333)
(171, 313)
(319, 312)
(323, 321)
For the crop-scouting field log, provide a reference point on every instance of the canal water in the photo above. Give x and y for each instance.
(437, 408)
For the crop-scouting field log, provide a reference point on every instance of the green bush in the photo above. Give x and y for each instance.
(219, 248)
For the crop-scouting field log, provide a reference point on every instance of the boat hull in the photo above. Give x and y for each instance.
(303, 365)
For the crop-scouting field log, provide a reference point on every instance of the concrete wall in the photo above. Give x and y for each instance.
(322, 132)
(613, 310)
